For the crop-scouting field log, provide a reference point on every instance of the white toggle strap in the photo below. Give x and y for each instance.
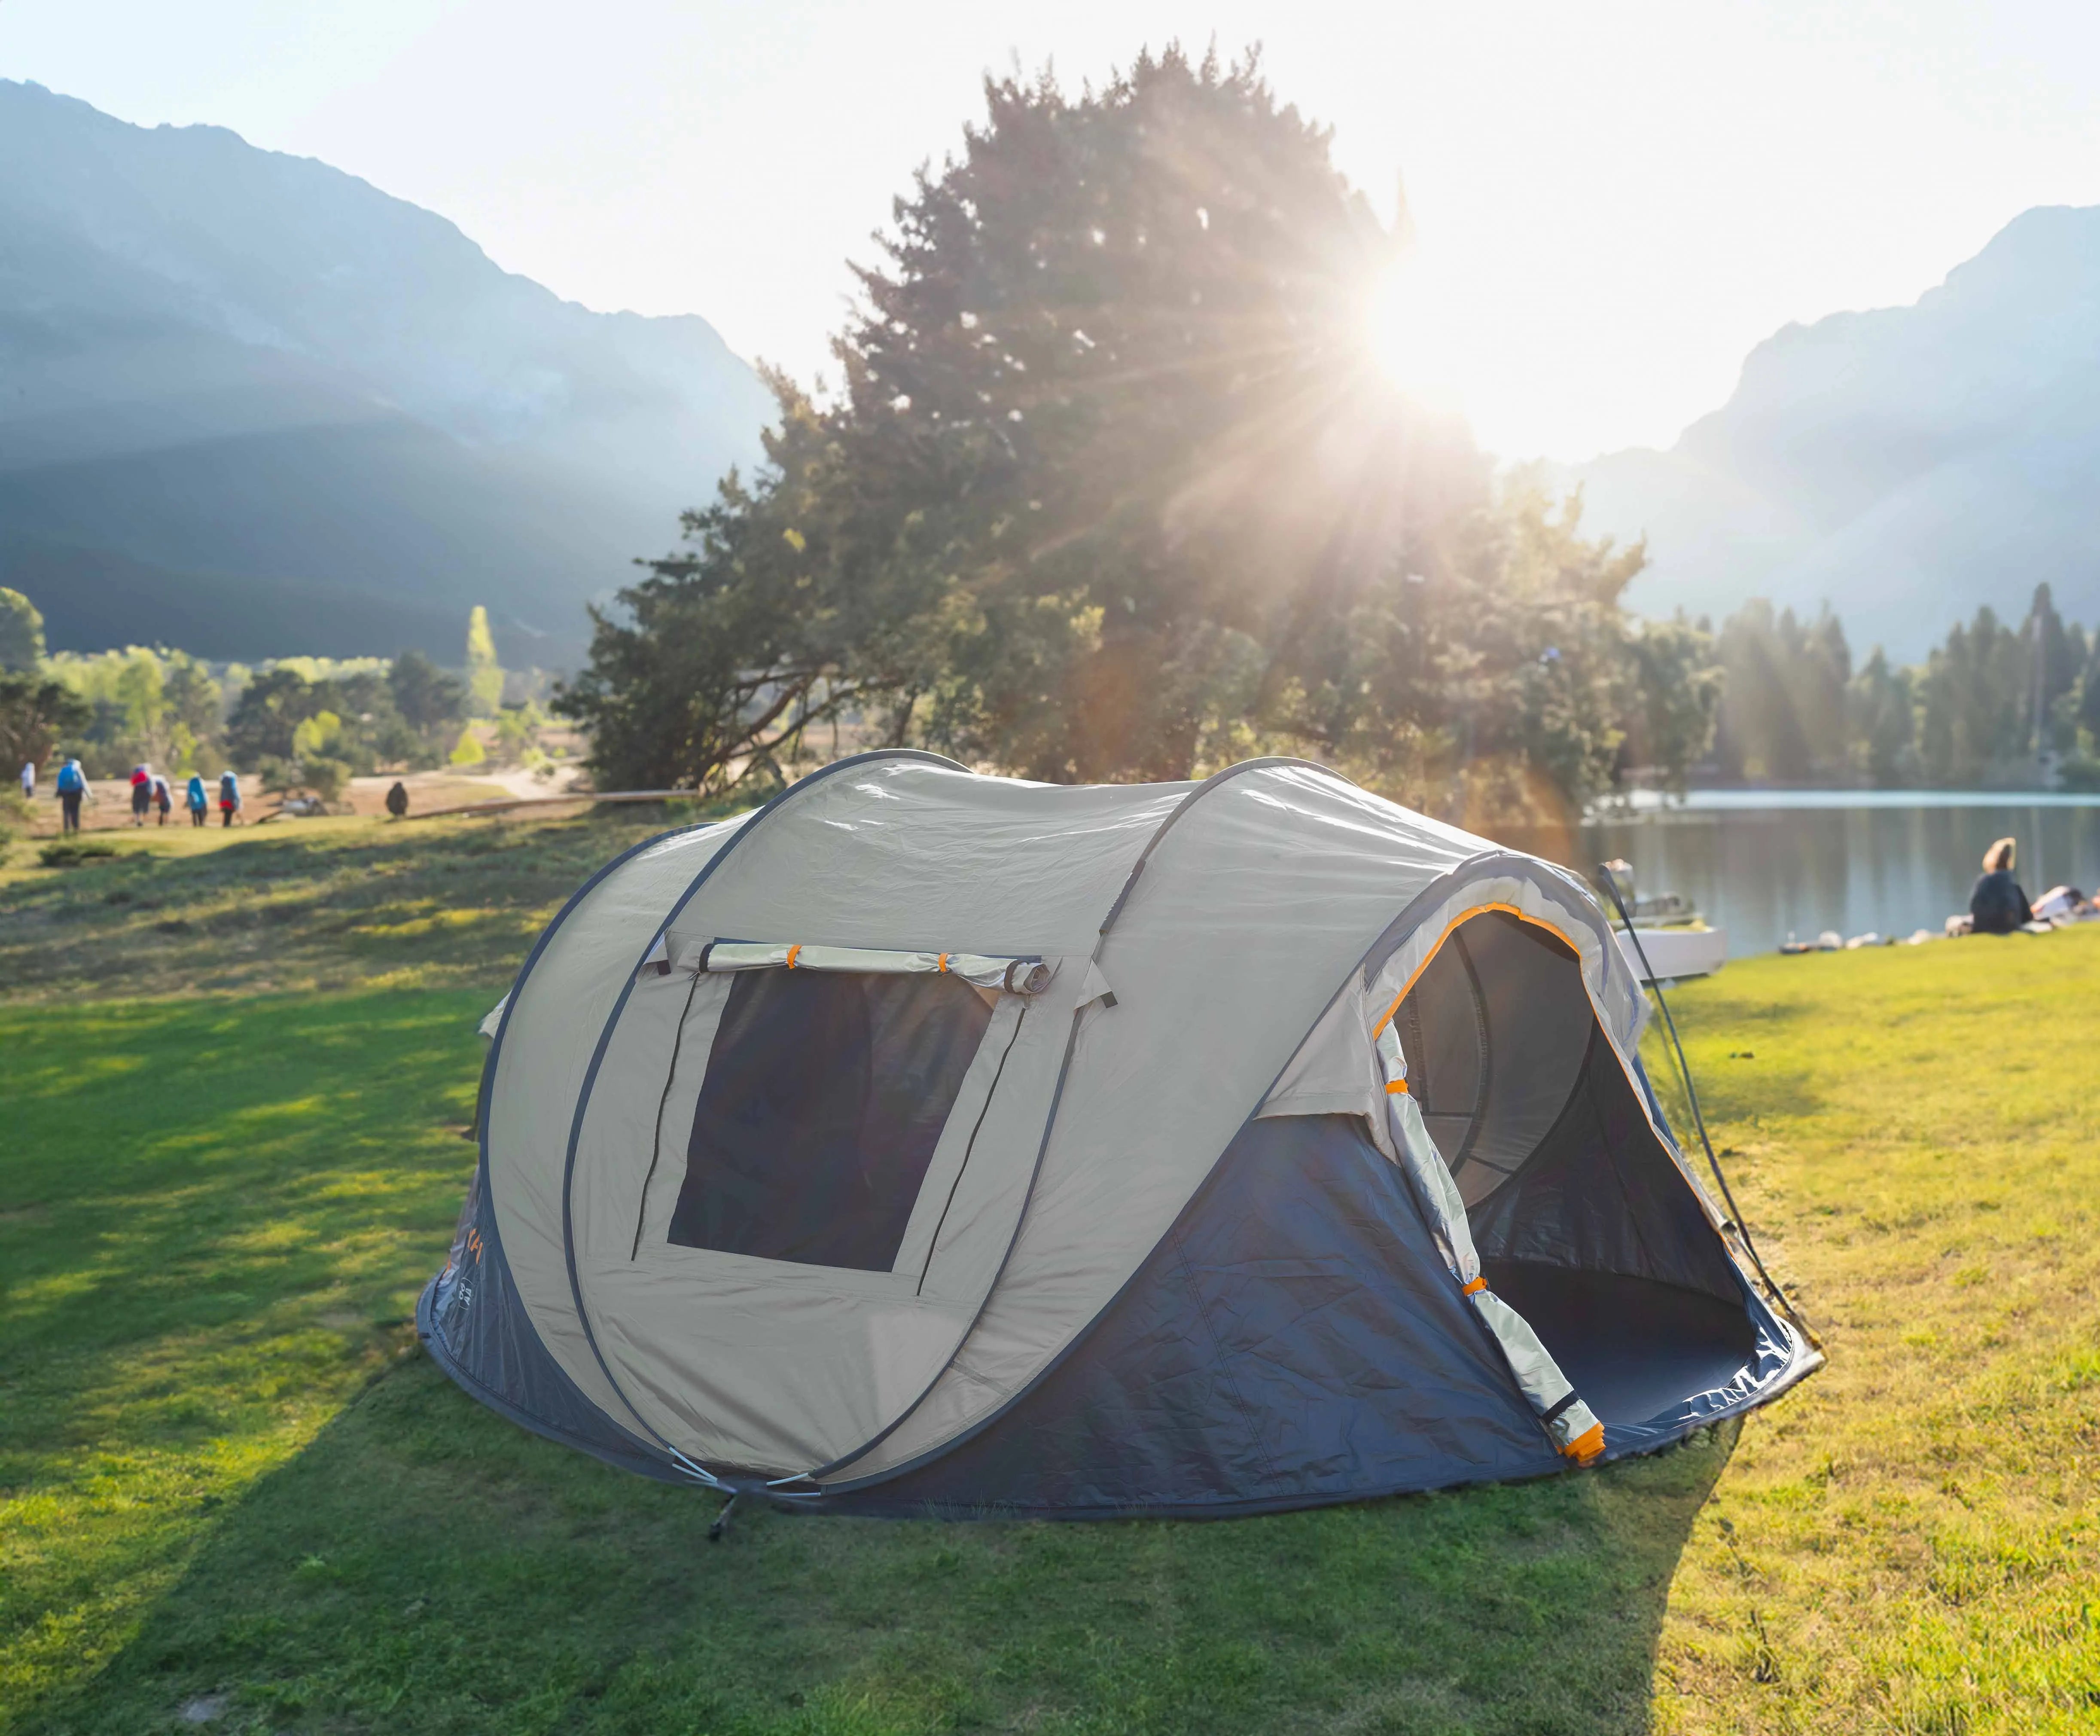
(1573, 1426)
(1096, 987)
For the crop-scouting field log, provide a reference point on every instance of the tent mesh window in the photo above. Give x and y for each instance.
(824, 1098)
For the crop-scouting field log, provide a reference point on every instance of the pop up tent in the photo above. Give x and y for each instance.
(927, 1141)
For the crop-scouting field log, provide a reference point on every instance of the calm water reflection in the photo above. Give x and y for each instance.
(1887, 861)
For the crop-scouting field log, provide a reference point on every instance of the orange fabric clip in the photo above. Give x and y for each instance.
(943, 966)
(1395, 1088)
(1477, 1285)
(1587, 1447)
(791, 951)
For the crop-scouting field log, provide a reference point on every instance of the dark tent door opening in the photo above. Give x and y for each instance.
(1583, 1222)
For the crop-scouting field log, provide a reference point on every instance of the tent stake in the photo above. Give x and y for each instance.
(720, 1528)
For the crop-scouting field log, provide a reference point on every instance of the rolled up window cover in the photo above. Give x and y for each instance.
(1014, 975)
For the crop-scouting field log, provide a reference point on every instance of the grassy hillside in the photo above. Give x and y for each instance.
(233, 1493)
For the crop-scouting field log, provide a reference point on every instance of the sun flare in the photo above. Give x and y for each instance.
(1413, 332)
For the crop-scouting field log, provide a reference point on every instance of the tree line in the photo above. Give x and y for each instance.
(308, 723)
(1110, 486)
(1992, 704)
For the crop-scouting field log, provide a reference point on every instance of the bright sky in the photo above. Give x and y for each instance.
(1615, 201)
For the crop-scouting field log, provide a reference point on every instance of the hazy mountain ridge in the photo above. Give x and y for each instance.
(223, 361)
(1907, 464)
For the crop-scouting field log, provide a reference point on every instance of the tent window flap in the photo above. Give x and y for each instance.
(824, 1098)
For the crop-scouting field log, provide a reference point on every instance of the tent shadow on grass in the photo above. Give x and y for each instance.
(422, 1565)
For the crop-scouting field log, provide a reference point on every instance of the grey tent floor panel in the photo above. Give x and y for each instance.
(1635, 1350)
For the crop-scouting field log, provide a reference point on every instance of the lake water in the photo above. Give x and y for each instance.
(1768, 863)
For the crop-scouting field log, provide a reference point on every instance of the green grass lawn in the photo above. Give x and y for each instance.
(231, 1489)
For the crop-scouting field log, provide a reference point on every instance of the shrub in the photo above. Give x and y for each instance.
(71, 853)
(325, 777)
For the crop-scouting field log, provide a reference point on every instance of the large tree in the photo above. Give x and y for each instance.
(1114, 379)
(1113, 488)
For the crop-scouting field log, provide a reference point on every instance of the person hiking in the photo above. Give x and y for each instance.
(1996, 904)
(28, 780)
(229, 797)
(142, 793)
(199, 804)
(164, 799)
(397, 800)
(72, 790)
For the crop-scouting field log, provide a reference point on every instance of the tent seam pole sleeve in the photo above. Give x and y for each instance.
(656, 1146)
(605, 1038)
(983, 1109)
(1049, 1122)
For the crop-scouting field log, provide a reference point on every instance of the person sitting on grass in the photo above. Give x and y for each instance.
(1996, 904)
(199, 804)
(397, 800)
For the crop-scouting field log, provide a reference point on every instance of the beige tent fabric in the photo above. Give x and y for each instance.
(545, 1050)
(905, 854)
(892, 854)
(761, 1364)
(769, 1365)
(665, 1156)
(1263, 897)
(1335, 1072)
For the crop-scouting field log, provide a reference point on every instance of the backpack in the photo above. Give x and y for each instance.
(69, 780)
(229, 792)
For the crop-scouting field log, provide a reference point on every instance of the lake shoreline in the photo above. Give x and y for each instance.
(1651, 804)
(1771, 865)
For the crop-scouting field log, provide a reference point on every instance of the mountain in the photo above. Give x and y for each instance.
(1907, 464)
(251, 405)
